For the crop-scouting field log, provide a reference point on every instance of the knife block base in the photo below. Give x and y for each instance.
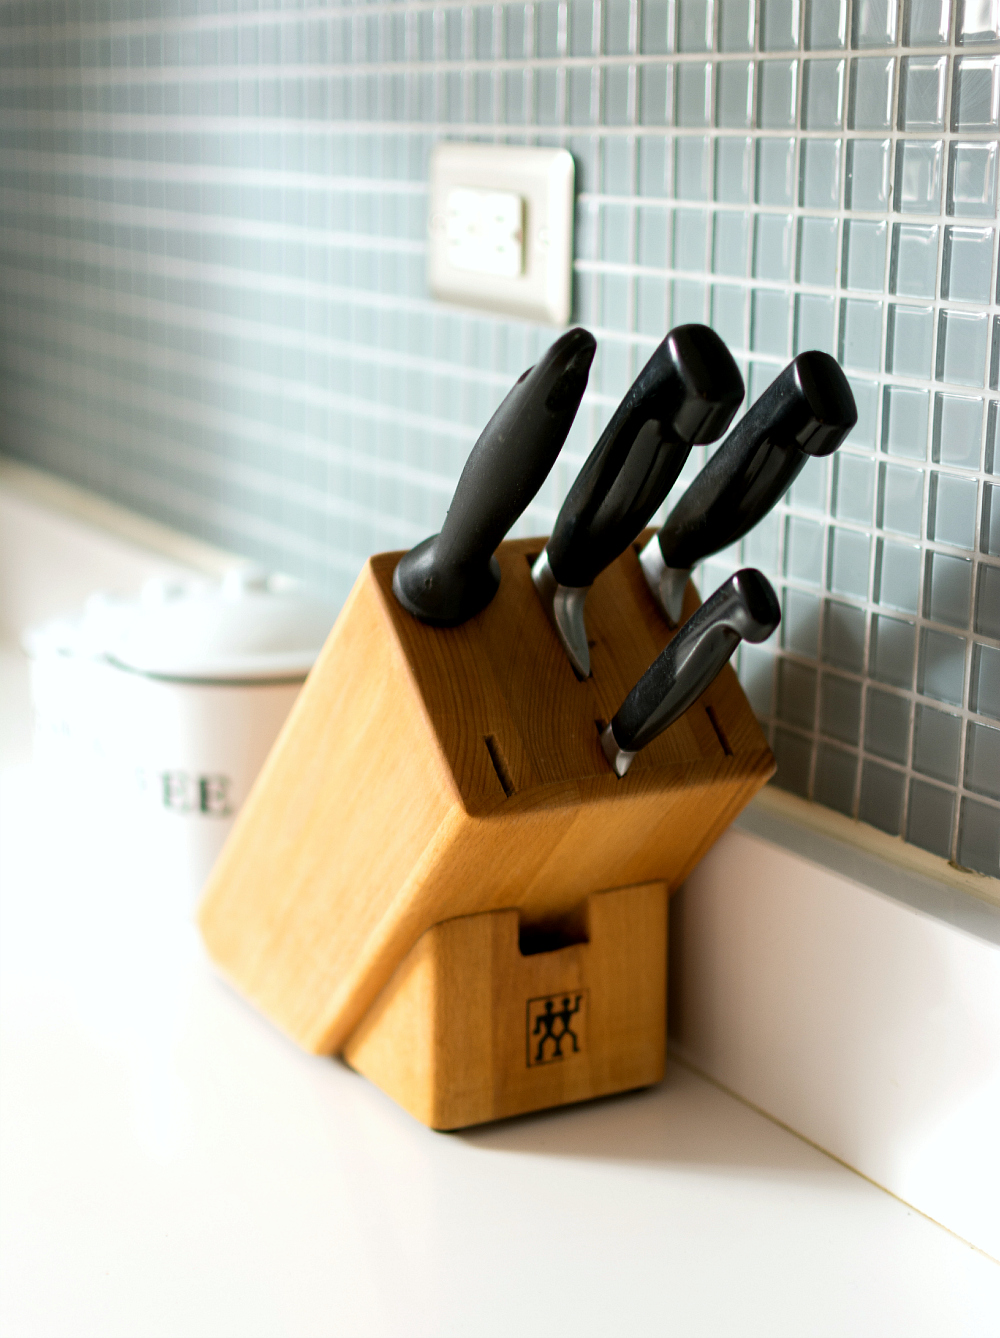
(426, 775)
(475, 1026)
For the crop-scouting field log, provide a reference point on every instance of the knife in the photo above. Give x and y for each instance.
(808, 410)
(687, 392)
(453, 575)
(744, 608)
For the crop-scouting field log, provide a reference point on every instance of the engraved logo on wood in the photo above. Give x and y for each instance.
(556, 1027)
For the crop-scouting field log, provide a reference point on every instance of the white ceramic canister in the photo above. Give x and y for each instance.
(202, 677)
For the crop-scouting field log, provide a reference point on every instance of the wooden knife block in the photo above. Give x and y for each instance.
(431, 791)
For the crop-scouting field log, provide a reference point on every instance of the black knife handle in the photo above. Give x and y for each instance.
(687, 393)
(808, 410)
(744, 608)
(453, 575)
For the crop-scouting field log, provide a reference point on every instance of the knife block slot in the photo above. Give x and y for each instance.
(719, 732)
(499, 765)
(427, 777)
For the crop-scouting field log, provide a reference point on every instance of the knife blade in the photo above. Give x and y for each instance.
(687, 393)
(744, 608)
(453, 575)
(808, 410)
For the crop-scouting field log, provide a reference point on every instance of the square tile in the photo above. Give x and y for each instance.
(897, 576)
(772, 253)
(800, 623)
(776, 171)
(961, 354)
(887, 725)
(913, 268)
(776, 102)
(793, 754)
(972, 180)
(694, 25)
(987, 620)
(850, 558)
(982, 760)
(736, 25)
(820, 184)
(653, 237)
(930, 818)
(616, 108)
(989, 539)
(688, 298)
(769, 322)
(694, 94)
(823, 94)
(796, 694)
(976, 96)
(893, 651)
(941, 670)
(815, 317)
(734, 102)
(825, 24)
(864, 254)
(926, 22)
(868, 174)
(733, 160)
(729, 254)
(651, 306)
(729, 305)
(919, 172)
(805, 541)
(656, 94)
(840, 708)
(870, 99)
(968, 264)
(984, 693)
(979, 838)
(874, 23)
(655, 166)
(948, 590)
(854, 487)
(901, 500)
(836, 771)
(861, 334)
(693, 169)
(844, 636)
(921, 92)
(952, 518)
(656, 25)
(818, 251)
(691, 239)
(905, 415)
(937, 743)
(882, 794)
(910, 340)
(779, 25)
(757, 677)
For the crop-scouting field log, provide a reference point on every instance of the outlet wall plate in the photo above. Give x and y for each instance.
(474, 190)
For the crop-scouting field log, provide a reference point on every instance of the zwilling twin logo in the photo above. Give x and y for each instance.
(556, 1027)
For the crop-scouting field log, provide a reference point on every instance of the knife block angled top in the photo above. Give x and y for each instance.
(426, 774)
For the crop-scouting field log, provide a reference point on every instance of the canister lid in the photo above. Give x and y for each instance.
(250, 627)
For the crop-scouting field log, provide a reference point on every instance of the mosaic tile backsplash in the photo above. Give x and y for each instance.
(213, 306)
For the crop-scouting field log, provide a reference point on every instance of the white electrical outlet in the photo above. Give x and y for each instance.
(501, 230)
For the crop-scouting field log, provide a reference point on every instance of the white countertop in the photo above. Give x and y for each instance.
(172, 1165)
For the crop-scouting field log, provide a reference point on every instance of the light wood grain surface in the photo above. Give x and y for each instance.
(426, 774)
(471, 1029)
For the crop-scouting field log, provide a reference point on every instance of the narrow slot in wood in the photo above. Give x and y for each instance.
(720, 733)
(499, 764)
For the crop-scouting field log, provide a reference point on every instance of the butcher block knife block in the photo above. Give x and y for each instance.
(428, 779)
